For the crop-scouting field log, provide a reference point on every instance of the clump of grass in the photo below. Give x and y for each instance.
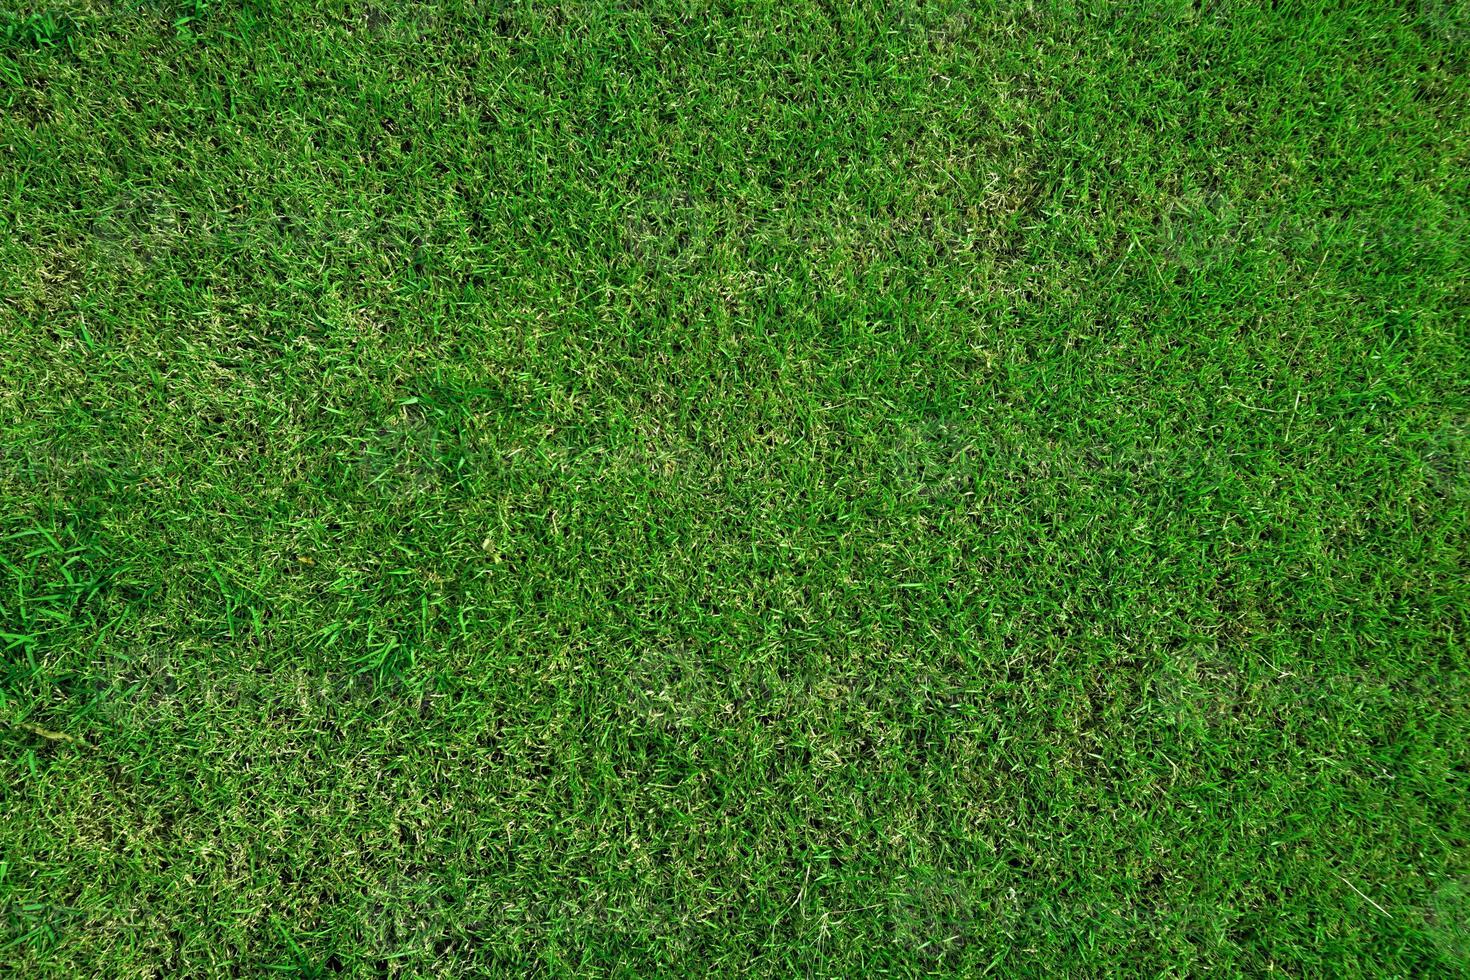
(40, 30)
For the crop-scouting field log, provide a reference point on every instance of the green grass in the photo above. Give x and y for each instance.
(798, 490)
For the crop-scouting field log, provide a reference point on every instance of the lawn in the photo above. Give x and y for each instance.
(779, 489)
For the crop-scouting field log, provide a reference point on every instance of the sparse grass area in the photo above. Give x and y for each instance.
(821, 490)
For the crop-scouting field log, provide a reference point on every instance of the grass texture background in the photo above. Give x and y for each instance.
(791, 489)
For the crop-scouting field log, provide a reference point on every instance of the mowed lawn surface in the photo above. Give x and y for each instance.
(782, 489)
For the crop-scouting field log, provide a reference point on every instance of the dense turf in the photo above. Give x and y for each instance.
(818, 489)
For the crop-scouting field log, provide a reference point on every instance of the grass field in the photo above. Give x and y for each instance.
(788, 489)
